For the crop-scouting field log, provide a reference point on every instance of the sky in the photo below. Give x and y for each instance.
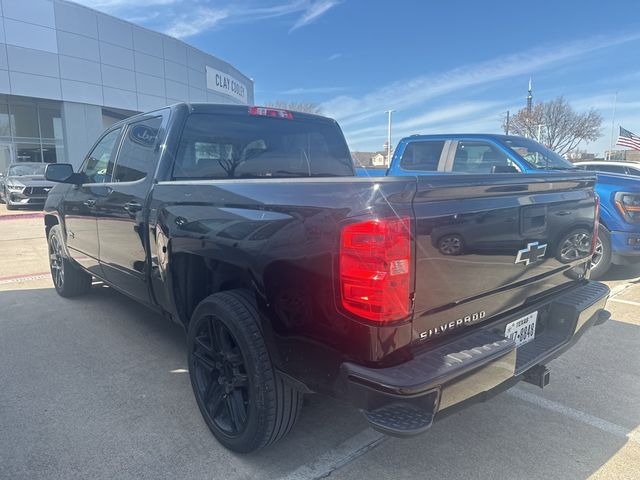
(442, 66)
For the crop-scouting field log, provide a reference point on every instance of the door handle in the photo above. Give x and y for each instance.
(132, 207)
(89, 203)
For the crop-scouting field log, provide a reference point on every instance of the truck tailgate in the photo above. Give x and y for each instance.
(488, 244)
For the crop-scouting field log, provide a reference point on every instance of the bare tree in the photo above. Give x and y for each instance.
(305, 107)
(562, 128)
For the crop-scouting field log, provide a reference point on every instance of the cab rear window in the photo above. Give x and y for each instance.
(215, 146)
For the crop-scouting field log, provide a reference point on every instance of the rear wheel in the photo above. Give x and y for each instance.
(68, 280)
(601, 260)
(244, 402)
(451, 245)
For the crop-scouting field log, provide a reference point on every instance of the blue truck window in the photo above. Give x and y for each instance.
(478, 157)
(424, 156)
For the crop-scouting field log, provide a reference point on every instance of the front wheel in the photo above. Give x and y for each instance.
(601, 260)
(68, 280)
(243, 400)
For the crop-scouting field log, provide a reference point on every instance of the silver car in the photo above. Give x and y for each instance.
(24, 184)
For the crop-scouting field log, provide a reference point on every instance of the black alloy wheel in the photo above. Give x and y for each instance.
(244, 401)
(56, 262)
(68, 279)
(221, 377)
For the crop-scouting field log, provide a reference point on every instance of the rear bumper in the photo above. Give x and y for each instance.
(405, 399)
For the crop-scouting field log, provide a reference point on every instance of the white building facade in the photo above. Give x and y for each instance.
(67, 72)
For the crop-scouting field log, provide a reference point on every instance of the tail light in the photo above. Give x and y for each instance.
(375, 268)
(596, 224)
(270, 112)
(628, 204)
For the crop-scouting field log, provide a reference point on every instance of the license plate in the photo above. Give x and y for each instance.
(522, 330)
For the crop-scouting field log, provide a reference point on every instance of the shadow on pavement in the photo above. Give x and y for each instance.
(622, 272)
(94, 387)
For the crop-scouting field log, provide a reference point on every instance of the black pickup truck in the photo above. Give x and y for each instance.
(291, 275)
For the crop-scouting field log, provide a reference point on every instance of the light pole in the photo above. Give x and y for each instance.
(389, 113)
(613, 122)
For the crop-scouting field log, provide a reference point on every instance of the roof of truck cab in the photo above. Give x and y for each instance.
(218, 108)
(458, 136)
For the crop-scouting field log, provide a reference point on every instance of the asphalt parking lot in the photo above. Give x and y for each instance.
(96, 387)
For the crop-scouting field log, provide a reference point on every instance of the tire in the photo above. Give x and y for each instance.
(68, 279)
(9, 205)
(451, 245)
(574, 245)
(602, 255)
(243, 401)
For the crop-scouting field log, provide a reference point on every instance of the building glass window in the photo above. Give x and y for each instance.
(51, 153)
(28, 152)
(25, 121)
(34, 130)
(5, 124)
(50, 122)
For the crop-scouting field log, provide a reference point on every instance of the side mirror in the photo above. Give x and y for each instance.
(60, 172)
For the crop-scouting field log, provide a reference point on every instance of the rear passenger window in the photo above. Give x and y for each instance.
(139, 151)
(612, 169)
(479, 157)
(218, 146)
(423, 156)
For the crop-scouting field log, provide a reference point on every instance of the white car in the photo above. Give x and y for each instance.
(623, 168)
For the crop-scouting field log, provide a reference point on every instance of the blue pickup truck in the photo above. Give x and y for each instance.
(619, 239)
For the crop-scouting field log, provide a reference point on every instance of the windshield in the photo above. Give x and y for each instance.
(537, 155)
(27, 170)
(227, 146)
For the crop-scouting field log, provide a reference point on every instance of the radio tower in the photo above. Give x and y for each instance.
(530, 97)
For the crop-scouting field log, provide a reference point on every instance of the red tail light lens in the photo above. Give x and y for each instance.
(596, 224)
(375, 268)
(270, 112)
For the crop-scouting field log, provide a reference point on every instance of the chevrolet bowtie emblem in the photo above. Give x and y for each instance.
(532, 253)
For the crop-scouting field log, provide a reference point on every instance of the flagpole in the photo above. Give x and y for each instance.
(613, 121)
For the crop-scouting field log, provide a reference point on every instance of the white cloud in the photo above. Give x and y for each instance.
(192, 23)
(414, 92)
(184, 18)
(114, 5)
(314, 11)
(310, 90)
(335, 56)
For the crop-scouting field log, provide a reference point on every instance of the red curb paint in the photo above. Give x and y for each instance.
(18, 277)
(21, 216)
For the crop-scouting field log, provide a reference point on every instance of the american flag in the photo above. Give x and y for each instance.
(628, 139)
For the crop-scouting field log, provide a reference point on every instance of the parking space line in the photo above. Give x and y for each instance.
(338, 457)
(628, 302)
(578, 415)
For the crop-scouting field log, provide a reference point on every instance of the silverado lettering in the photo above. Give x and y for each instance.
(453, 324)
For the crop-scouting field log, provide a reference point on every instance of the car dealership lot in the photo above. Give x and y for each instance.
(95, 387)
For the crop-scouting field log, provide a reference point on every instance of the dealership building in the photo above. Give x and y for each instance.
(67, 72)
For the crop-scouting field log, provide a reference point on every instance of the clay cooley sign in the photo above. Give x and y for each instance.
(225, 83)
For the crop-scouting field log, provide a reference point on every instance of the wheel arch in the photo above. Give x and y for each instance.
(194, 277)
(50, 221)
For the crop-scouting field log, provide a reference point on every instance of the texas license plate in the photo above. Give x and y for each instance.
(522, 330)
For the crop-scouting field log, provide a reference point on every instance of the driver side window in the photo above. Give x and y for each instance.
(98, 166)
